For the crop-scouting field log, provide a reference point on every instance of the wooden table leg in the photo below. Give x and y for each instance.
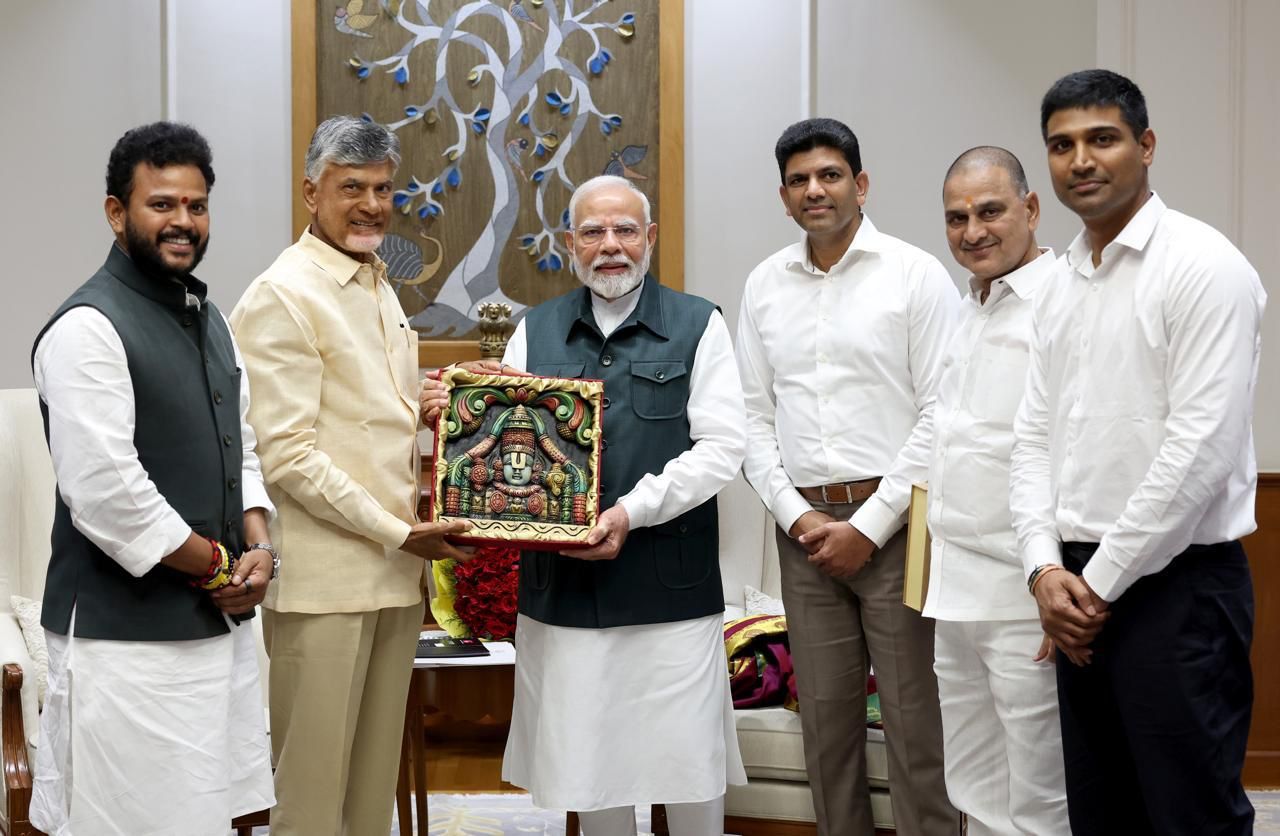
(571, 827)
(658, 820)
(404, 810)
(417, 747)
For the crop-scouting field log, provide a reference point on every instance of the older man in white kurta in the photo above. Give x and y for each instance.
(621, 687)
(999, 697)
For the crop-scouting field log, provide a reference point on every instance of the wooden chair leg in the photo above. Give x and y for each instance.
(571, 826)
(244, 831)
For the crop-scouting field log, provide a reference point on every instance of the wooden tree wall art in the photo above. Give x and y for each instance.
(502, 107)
(519, 457)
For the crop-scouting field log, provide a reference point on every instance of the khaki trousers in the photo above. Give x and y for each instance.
(834, 626)
(338, 687)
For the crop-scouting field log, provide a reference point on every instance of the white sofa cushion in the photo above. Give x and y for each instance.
(762, 603)
(27, 612)
(772, 746)
(770, 741)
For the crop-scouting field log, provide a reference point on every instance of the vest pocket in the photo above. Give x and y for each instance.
(659, 388)
(684, 551)
(567, 371)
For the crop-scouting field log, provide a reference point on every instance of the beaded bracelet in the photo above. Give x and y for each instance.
(220, 568)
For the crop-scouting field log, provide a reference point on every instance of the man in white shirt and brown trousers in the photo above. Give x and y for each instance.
(1133, 480)
(841, 340)
(999, 696)
(327, 344)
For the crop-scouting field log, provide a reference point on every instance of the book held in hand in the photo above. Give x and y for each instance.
(433, 647)
(915, 585)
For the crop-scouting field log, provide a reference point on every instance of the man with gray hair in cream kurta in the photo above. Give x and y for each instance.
(328, 343)
(622, 692)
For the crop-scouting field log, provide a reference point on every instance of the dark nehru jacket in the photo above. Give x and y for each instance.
(668, 572)
(187, 389)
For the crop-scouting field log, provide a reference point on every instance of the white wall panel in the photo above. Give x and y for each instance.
(744, 81)
(230, 79)
(920, 81)
(76, 76)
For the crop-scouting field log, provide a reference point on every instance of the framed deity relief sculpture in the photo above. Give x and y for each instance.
(519, 458)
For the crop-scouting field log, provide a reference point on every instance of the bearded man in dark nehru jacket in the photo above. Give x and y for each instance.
(621, 692)
(153, 720)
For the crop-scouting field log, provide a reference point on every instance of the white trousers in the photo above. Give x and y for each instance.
(1002, 740)
(151, 738)
(700, 818)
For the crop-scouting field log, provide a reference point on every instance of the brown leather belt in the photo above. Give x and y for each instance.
(841, 492)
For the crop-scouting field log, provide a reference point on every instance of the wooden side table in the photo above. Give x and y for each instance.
(447, 686)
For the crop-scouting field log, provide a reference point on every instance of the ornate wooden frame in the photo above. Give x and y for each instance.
(670, 249)
(471, 397)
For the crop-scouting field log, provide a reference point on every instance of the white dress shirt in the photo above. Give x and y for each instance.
(1135, 431)
(82, 373)
(975, 574)
(839, 370)
(717, 422)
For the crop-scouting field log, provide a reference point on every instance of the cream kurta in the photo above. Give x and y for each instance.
(328, 347)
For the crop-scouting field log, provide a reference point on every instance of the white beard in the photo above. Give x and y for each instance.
(612, 287)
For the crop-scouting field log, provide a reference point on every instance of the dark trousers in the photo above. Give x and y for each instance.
(1154, 729)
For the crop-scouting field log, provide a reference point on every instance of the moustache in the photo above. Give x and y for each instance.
(612, 261)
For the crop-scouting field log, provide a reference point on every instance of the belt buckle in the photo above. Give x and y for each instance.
(848, 495)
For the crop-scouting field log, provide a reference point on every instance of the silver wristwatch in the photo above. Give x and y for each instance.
(271, 550)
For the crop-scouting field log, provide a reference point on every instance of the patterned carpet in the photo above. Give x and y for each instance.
(485, 814)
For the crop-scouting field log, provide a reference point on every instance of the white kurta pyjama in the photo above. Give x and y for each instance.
(638, 714)
(137, 738)
(166, 738)
(622, 716)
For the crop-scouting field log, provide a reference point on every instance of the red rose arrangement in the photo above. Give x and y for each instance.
(481, 592)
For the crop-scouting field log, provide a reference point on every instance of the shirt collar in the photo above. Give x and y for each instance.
(171, 292)
(1022, 282)
(648, 311)
(867, 239)
(1135, 234)
(341, 267)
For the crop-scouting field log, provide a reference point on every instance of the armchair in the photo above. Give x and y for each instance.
(26, 517)
(776, 799)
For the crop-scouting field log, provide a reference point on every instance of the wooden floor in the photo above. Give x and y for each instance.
(476, 766)
(466, 766)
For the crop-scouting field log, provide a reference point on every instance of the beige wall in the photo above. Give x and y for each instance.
(78, 75)
(919, 80)
(922, 80)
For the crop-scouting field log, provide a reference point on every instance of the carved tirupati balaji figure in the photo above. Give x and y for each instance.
(517, 472)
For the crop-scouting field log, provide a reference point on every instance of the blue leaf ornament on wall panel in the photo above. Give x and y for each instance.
(502, 107)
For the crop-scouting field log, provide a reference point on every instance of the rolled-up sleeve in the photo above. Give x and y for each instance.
(82, 375)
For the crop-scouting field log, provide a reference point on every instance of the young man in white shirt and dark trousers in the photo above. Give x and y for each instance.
(1133, 480)
(999, 696)
(840, 344)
